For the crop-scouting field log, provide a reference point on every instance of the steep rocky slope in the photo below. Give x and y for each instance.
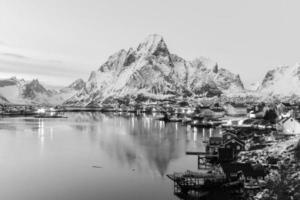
(281, 81)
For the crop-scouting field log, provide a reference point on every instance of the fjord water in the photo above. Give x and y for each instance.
(94, 156)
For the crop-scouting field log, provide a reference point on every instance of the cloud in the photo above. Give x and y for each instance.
(2, 43)
(14, 55)
(53, 71)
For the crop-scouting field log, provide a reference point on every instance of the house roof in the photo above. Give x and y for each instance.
(236, 140)
(287, 118)
(232, 131)
(284, 119)
(229, 133)
(237, 105)
(286, 103)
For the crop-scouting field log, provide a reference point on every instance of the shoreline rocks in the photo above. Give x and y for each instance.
(283, 180)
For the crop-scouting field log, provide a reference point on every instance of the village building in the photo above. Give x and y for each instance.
(231, 141)
(235, 144)
(184, 110)
(289, 125)
(214, 143)
(235, 122)
(287, 109)
(206, 111)
(235, 109)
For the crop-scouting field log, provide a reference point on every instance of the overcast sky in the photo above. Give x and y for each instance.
(61, 40)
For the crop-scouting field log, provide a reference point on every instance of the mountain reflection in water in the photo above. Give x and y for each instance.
(140, 142)
(92, 155)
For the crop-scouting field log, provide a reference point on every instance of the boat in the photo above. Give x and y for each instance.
(186, 120)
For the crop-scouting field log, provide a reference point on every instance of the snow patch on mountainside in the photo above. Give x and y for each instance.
(283, 81)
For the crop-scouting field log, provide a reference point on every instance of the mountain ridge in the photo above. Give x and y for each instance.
(150, 69)
(282, 81)
(19, 91)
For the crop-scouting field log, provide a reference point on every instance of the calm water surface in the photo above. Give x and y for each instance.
(91, 156)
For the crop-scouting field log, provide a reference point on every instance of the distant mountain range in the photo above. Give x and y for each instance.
(151, 71)
(19, 91)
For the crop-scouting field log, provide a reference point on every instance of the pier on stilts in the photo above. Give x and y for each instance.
(219, 171)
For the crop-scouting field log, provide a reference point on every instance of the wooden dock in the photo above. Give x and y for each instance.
(195, 153)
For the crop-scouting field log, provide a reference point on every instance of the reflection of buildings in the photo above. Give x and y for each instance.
(41, 128)
(41, 134)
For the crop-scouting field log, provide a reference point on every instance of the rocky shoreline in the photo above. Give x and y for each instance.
(283, 161)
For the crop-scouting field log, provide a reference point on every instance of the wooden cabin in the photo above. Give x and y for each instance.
(225, 148)
(229, 140)
(285, 109)
(228, 136)
(235, 144)
(232, 141)
(214, 144)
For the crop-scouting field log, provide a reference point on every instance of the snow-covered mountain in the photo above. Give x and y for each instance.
(22, 92)
(69, 91)
(151, 70)
(19, 91)
(281, 81)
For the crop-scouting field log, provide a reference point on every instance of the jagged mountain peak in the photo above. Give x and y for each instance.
(33, 88)
(154, 44)
(35, 82)
(204, 62)
(151, 70)
(216, 69)
(77, 84)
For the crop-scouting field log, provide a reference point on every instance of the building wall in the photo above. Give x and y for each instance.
(230, 110)
(291, 126)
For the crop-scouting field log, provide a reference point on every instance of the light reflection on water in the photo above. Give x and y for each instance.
(54, 158)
